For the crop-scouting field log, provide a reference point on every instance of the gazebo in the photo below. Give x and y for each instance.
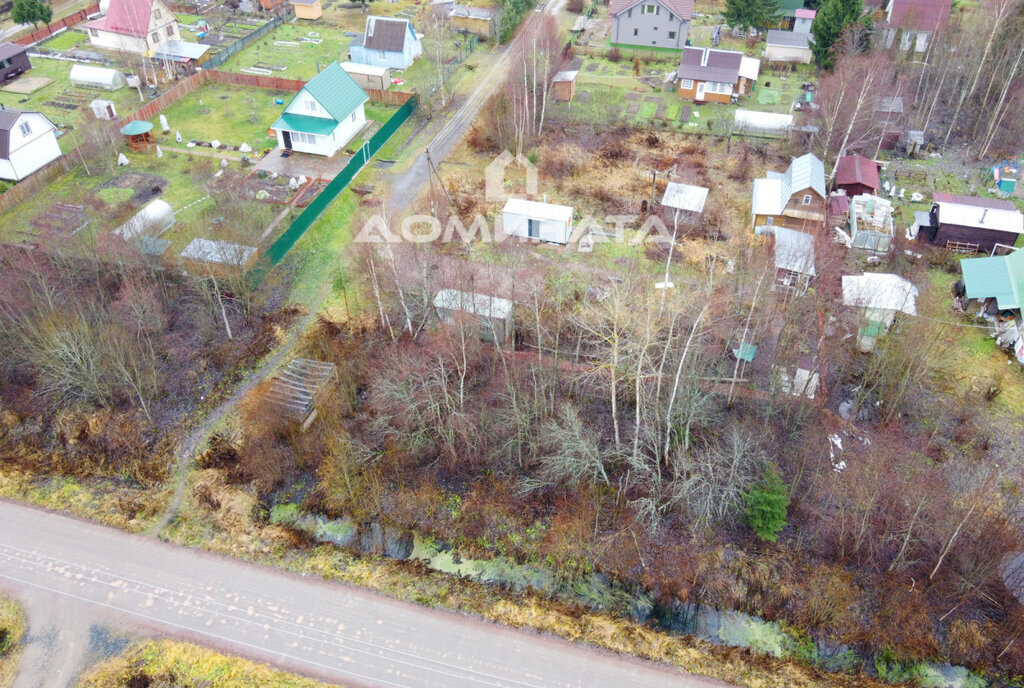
(138, 135)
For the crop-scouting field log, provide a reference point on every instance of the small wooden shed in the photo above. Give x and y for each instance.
(478, 20)
(298, 389)
(307, 9)
(564, 86)
(494, 314)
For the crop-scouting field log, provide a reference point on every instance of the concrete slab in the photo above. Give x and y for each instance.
(303, 164)
(27, 84)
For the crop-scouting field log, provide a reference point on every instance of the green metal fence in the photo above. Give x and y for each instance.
(280, 248)
(242, 43)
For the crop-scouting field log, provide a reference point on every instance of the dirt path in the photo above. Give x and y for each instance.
(407, 186)
(188, 449)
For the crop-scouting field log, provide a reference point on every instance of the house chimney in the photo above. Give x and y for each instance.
(983, 214)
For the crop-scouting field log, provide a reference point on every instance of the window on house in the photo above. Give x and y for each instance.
(769, 221)
(156, 14)
(170, 31)
(380, 54)
(155, 37)
(686, 84)
(807, 199)
(636, 32)
(311, 105)
(629, 12)
(353, 117)
(671, 34)
(25, 128)
(92, 32)
(650, 9)
(655, 28)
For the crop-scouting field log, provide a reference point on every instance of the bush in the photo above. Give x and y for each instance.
(614, 54)
(767, 505)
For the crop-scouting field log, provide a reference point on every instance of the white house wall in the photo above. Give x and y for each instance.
(29, 153)
(331, 144)
(549, 230)
(118, 42)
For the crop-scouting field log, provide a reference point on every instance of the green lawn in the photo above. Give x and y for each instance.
(60, 91)
(300, 61)
(230, 114)
(65, 40)
(185, 180)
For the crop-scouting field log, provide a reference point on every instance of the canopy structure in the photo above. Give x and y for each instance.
(136, 127)
(180, 51)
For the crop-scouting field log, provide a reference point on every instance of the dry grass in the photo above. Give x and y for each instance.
(12, 623)
(164, 662)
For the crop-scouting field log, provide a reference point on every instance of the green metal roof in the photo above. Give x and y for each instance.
(336, 91)
(305, 124)
(1001, 277)
(136, 127)
(788, 8)
(745, 352)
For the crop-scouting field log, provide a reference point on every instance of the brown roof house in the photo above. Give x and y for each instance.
(718, 76)
(28, 141)
(969, 225)
(650, 23)
(13, 60)
(387, 42)
(795, 198)
(913, 21)
(857, 175)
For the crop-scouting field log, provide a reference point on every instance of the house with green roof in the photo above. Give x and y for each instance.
(324, 116)
(1000, 278)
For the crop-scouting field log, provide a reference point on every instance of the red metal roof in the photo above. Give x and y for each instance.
(856, 169)
(681, 8)
(992, 203)
(805, 14)
(127, 17)
(839, 204)
(922, 15)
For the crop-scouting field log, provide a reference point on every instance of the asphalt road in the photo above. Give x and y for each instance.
(329, 631)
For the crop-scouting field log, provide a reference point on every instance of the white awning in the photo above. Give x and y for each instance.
(180, 51)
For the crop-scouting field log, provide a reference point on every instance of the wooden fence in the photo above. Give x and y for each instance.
(40, 178)
(54, 27)
(270, 83)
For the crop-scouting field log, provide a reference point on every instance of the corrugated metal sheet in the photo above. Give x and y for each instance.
(999, 277)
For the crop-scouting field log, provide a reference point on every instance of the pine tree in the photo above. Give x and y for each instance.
(833, 17)
(744, 14)
(767, 505)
